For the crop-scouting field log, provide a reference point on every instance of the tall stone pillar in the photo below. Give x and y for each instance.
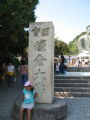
(41, 60)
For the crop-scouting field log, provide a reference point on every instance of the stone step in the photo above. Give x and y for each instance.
(72, 89)
(72, 84)
(72, 81)
(55, 111)
(72, 94)
(81, 69)
(71, 77)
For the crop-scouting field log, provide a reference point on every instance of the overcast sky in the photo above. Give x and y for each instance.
(70, 17)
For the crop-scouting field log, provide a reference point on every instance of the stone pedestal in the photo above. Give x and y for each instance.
(55, 111)
(41, 60)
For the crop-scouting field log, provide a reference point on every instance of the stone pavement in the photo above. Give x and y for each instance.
(78, 108)
(7, 98)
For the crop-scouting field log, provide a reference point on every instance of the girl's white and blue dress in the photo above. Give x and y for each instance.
(28, 98)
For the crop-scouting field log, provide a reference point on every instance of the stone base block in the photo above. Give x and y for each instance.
(55, 111)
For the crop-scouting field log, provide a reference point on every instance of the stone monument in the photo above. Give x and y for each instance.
(84, 41)
(41, 74)
(41, 59)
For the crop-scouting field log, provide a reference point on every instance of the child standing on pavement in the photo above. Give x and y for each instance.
(29, 95)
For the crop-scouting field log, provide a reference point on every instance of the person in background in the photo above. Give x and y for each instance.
(10, 73)
(62, 57)
(23, 69)
(62, 66)
(86, 61)
(29, 95)
(57, 67)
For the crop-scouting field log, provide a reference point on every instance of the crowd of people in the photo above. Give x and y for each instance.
(79, 62)
(61, 63)
(8, 72)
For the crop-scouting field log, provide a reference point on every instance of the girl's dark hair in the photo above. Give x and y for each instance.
(32, 89)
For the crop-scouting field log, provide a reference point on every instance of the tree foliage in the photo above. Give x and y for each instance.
(60, 47)
(73, 46)
(70, 49)
(15, 15)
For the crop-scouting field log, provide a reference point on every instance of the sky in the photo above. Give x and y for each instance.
(70, 17)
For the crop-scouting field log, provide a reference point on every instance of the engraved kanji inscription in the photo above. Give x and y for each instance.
(45, 32)
(40, 76)
(40, 46)
(36, 31)
(39, 60)
(40, 88)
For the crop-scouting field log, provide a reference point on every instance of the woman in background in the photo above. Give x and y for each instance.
(23, 69)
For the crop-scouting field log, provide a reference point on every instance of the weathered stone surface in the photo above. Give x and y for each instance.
(41, 60)
(55, 111)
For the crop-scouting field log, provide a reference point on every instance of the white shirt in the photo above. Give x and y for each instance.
(10, 68)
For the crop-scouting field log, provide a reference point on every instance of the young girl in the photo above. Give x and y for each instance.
(28, 103)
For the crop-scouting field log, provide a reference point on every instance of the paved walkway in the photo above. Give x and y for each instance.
(78, 108)
(7, 98)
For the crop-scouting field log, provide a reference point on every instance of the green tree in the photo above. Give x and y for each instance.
(60, 47)
(73, 46)
(15, 16)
